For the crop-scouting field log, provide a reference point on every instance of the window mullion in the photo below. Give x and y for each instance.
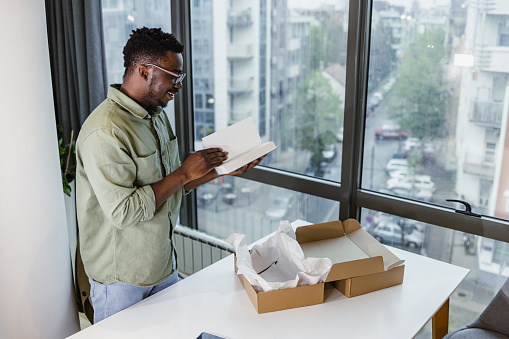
(184, 112)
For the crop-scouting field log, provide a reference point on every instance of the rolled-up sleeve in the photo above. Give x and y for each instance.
(125, 196)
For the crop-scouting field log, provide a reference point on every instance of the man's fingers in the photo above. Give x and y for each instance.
(213, 150)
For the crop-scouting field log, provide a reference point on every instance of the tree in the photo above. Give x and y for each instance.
(318, 47)
(420, 89)
(314, 117)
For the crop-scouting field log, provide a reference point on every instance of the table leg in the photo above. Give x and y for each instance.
(440, 321)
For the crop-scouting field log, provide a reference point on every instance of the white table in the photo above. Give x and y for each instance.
(213, 300)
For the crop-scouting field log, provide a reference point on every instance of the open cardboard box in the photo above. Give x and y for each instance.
(360, 265)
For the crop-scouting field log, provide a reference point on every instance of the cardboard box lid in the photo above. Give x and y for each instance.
(370, 245)
(352, 250)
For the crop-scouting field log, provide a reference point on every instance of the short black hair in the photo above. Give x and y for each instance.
(148, 45)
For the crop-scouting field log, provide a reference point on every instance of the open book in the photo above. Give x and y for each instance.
(242, 142)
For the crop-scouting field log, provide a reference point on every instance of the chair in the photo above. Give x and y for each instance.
(493, 323)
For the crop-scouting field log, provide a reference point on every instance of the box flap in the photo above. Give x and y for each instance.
(290, 298)
(353, 287)
(338, 250)
(348, 260)
(373, 248)
(351, 225)
(355, 268)
(321, 231)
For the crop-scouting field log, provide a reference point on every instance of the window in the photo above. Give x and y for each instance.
(198, 100)
(339, 117)
(504, 40)
(119, 19)
(307, 114)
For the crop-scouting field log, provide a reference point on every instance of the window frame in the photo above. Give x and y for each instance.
(349, 193)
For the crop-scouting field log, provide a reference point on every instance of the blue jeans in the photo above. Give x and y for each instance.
(109, 299)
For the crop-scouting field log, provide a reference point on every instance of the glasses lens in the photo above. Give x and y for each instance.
(180, 79)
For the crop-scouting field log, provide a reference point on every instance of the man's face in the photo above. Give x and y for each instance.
(161, 85)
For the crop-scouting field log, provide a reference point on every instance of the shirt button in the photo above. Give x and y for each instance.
(84, 293)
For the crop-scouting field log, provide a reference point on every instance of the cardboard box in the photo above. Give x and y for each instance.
(285, 298)
(360, 265)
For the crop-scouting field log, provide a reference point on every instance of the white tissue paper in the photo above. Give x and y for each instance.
(278, 262)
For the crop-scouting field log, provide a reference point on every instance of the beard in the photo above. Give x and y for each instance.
(155, 98)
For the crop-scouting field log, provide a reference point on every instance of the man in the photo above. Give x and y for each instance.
(130, 180)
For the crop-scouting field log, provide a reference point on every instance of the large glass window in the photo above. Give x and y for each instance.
(231, 204)
(438, 102)
(282, 63)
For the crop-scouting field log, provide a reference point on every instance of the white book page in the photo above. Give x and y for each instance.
(236, 139)
(231, 165)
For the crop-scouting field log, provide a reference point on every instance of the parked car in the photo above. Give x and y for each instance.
(339, 135)
(421, 182)
(395, 165)
(400, 173)
(329, 153)
(375, 99)
(410, 144)
(392, 234)
(428, 152)
(398, 156)
(390, 132)
(411, 226)
(417, 194)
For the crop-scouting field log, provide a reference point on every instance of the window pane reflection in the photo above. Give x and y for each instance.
(438, 102)
(280, 62)
(120, 18)
(486, 258)
(231, 204)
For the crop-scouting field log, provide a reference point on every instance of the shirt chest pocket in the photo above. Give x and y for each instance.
(148, 169)
(171, 157)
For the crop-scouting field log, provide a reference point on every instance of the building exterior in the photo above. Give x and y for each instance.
(481, 135)
(240, 66)
(203, 68)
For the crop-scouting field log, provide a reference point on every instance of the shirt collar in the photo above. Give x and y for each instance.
(129, 104)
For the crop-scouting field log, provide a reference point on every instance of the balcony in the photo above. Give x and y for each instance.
(237, 114)
(240, 17)
(493, 58)
(487, 114)
(240, 85)
(482, 170)
(293, 44)
(498, 7)
(293, 71)
(240, 51)
(479, 167)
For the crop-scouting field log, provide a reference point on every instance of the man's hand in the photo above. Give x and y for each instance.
(196, 169)
(202, 162)
(247, 167)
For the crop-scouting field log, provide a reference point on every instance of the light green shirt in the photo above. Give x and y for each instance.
(121, 150)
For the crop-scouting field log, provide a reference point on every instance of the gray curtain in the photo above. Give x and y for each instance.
(77, 57)
(78, 73)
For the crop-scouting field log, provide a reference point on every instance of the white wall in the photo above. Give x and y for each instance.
(36, 291)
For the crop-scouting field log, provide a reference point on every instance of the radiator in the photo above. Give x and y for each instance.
(197, 250)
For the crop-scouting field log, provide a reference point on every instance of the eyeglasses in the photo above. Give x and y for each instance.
(178, 77)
